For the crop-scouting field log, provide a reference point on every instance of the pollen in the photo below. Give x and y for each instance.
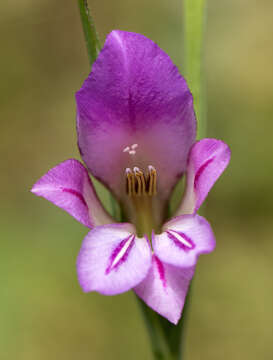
(139, 184)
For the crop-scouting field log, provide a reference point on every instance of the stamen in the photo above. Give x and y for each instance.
(138, 185)
(151, 181)
(141, 184)
(130, 182)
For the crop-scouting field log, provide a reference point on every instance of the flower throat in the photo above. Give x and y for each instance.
(141, 189)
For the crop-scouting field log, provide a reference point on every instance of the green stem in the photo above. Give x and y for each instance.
(194, 26)
(158, 339)
(90, 34)
(166, 338)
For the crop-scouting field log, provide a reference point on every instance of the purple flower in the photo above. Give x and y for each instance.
(136, 134)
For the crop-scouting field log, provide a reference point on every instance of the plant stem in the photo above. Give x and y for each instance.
(90, 34)
(194, 26)
(159, 345)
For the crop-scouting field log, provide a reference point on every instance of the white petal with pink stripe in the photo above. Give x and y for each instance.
(113, 259)
(184, 239)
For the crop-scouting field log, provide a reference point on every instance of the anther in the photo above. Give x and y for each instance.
(138, 185)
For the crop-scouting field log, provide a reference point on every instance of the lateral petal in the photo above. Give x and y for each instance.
(112, 259)
(208, 158)
(68, 186)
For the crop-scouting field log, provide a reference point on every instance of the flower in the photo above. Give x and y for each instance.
(136, 134)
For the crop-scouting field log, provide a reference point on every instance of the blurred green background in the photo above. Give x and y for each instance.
(44, 314)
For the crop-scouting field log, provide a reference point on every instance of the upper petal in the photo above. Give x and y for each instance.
(165, 289)
(134, 95)
(208, 158)
(112, 259)
(184, 238)
(68, 186)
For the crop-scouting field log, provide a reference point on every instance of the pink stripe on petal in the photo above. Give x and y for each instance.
(160, 269)
(200, 171)
(164, 289)
(77, 194)
(120, 253)
(181, 240)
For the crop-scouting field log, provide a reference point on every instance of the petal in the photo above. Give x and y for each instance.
(68, 186)
(208, 158)
(184, 239)
(134, 96)
(112, 259)
(165, 289)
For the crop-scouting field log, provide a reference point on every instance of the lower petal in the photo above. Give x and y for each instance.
(184, 239)
(165, 289)
(112, 259)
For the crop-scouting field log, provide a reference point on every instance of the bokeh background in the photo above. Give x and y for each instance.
(43, 312)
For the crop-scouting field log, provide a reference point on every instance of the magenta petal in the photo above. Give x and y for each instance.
(165, 289)
(112, 259)
(208, 158)
(68, 186)
(134, 95)
(183, 240)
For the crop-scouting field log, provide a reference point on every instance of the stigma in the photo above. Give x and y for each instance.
(140, 184)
